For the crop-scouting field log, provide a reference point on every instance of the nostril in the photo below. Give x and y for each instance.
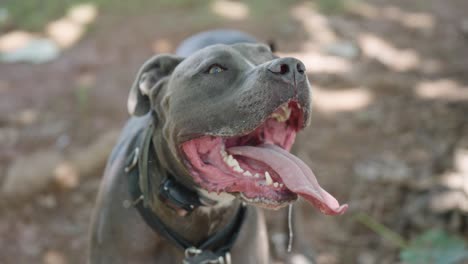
(284, 68)
(300, 68)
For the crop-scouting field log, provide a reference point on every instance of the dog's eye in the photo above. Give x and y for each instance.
(215, 68)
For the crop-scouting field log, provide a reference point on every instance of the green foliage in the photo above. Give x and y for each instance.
(268, 7)
(435, 247)
(82, 99)
(432, 247)
(334, 6)
(33, 15)
(331, 6)
(380, 229)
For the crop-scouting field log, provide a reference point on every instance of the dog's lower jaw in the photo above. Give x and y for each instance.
(213, 201)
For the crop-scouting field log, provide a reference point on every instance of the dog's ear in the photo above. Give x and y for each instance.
(153, 71)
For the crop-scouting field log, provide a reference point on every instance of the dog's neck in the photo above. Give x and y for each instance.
(200, 223)
(215, 213)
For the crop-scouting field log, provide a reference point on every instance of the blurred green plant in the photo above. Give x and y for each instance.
(82, 99)
(264, 8)
(333, 6)
(34, 15)
(381, 230)
(431, 247)
(435, 247)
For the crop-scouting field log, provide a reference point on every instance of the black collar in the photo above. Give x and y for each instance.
(215, 249)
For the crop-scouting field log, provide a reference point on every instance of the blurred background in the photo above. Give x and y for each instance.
(389, 132)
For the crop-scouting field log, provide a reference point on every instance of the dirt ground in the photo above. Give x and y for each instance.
(389, 132)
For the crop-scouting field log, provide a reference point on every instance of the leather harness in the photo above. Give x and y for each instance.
(215, 249)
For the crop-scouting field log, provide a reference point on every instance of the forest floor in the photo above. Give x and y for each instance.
(389, 131)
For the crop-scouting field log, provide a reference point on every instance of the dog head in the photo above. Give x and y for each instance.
(226, 118)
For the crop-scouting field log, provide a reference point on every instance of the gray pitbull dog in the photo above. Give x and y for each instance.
(208, 144)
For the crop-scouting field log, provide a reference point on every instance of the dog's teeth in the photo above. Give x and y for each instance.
(257, 175)
(223, 154)
(284, 115)
(277, 117)
(287, 112)
(281, 185)
(247, 173)
(268, 178)
(275, 184)
(231, 161)
(237, 168)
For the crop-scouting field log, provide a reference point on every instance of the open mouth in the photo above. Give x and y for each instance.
(258, 166)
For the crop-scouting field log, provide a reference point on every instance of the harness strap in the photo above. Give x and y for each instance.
(215, 249)
(144, 178)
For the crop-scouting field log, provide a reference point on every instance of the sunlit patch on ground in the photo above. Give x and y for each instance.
(445, 89)
(54, 257)
(412, 20)
(41, 47)
(458, 178)
(27, 117)
(317, 62)
(457, 181)
(461, 162)
(365, 10)
(326, 258)
(162, 45)
(68, 30)
(448, 201)
(66, 175)
(332, 101)
(321, 41)
(14, 40)
(315, 24)
(65, 32)
(83, 14)
(455, 194)
(230, 9)
(399, 60)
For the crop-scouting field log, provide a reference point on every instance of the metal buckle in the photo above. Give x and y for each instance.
(195, 255)
(227, 256)
(192, 251)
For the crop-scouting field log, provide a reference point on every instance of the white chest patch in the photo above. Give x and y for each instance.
(222, 200)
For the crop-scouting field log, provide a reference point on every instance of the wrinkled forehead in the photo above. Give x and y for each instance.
(255, 54)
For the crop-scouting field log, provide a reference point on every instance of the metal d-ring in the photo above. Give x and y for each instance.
(228, 258)
(136, 152)
(192, 251)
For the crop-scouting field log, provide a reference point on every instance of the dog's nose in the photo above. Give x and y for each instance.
(290, 70)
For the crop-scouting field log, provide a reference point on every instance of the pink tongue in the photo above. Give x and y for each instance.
(296, 175)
